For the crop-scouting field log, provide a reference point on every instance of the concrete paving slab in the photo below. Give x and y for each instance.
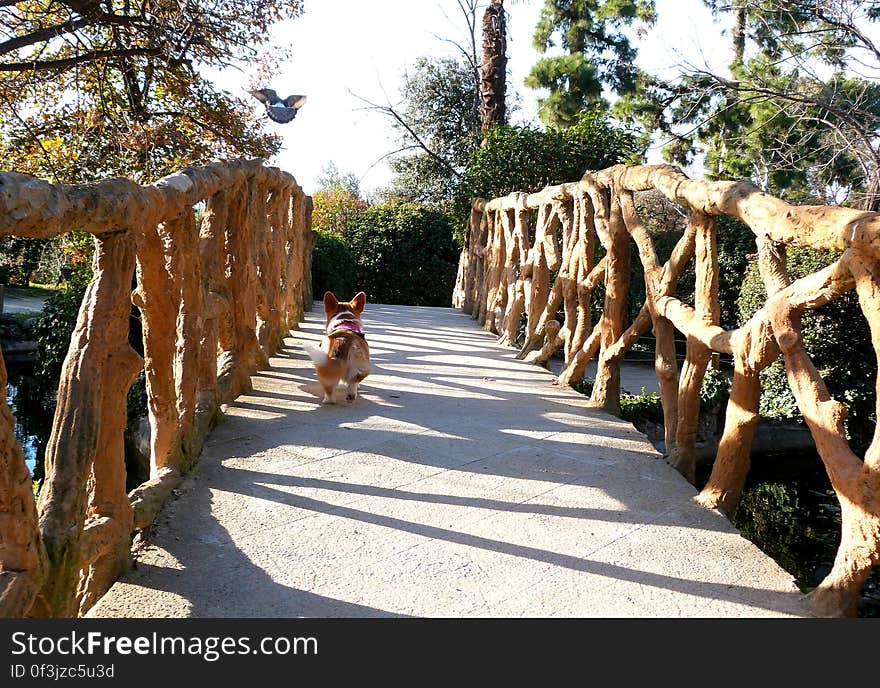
(462, 482)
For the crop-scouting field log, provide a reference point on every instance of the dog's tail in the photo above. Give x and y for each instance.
(317, 354)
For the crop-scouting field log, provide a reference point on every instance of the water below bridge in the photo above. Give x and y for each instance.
(460, 483)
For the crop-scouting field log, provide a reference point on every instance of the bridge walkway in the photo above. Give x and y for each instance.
(461, 483)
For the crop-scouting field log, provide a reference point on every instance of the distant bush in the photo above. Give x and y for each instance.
(523, 158)
(333, 267)
(838, 341)
(404, 254)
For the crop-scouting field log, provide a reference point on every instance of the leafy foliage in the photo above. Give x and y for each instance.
(769, 515)
(523, 158)
(404, 254)
(335, 209)
(114, 88)
(637, 408)
(798, 114)
(333, 266)
(19, 258)
(715, 389)
(598, 53)
(838, 340)
(441, 123)
(54, 328)
(91, 89)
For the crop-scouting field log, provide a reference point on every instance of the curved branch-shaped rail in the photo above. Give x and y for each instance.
(216, 298)
(515, 244)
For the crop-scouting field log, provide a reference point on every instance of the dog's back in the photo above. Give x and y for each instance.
(344, 355)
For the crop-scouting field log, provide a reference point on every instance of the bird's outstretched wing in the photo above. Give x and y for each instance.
(295, 101)
(281, 111)
(266, 96)
(281, 114)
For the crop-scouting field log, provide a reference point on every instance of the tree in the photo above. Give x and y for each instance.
(337, 202)
(799, 110)
(438, 117)
(441, 120)
(332, 179)
(91, 89)
(599, 55)
(493, 70)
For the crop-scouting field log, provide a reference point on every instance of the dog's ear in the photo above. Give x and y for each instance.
(330, 301)
(359, 301)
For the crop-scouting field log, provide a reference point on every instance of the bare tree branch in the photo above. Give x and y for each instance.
(92, 56)
(391, 112)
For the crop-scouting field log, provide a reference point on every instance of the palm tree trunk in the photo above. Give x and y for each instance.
(494, 67)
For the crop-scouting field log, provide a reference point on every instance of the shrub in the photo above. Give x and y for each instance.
(54, 327)
(838, 341)
(404, 254)
(522, 158)
(333, 267)
(637, 408)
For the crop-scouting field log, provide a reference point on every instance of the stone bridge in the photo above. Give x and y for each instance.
(466, 480)
(462, 482)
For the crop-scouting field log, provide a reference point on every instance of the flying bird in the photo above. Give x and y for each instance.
(279, 110)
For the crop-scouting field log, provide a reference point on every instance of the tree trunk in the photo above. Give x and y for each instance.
(739, 36)
(494, 67)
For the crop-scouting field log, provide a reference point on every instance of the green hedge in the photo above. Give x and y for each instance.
(333, 267)
(404, 254)
(397, 252)
(838, 341)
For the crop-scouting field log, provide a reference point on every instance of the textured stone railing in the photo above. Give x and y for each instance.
(515, 243)
(215, 299)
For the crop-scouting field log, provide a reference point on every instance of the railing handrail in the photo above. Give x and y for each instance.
(216, 300)
(505, 273)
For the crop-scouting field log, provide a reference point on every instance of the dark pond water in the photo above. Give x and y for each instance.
(790, 511)
(33, 406)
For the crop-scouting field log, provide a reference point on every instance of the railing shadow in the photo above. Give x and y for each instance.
(426, 431)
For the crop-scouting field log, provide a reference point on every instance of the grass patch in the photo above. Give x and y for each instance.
(21, 318)
(39, 290)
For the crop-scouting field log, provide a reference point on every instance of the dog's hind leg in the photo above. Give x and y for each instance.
(353, 384)
(352, 391)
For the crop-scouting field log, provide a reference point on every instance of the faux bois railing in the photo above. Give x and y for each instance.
(515, 245)
(216, 297)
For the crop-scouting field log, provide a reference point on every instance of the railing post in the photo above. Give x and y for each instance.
(242, 354)
(606, 390)
(311, 237)
(190, 317)
(106, 550)
(90, 410)
(23, 563)
(216, 305)
(684, 456)
(586, 262)
(158, 297)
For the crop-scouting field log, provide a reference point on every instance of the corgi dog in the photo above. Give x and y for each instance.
(344, 355)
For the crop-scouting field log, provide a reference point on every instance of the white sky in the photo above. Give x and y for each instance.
(363, 46)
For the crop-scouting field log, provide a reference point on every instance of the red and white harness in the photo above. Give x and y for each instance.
(345, 321)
